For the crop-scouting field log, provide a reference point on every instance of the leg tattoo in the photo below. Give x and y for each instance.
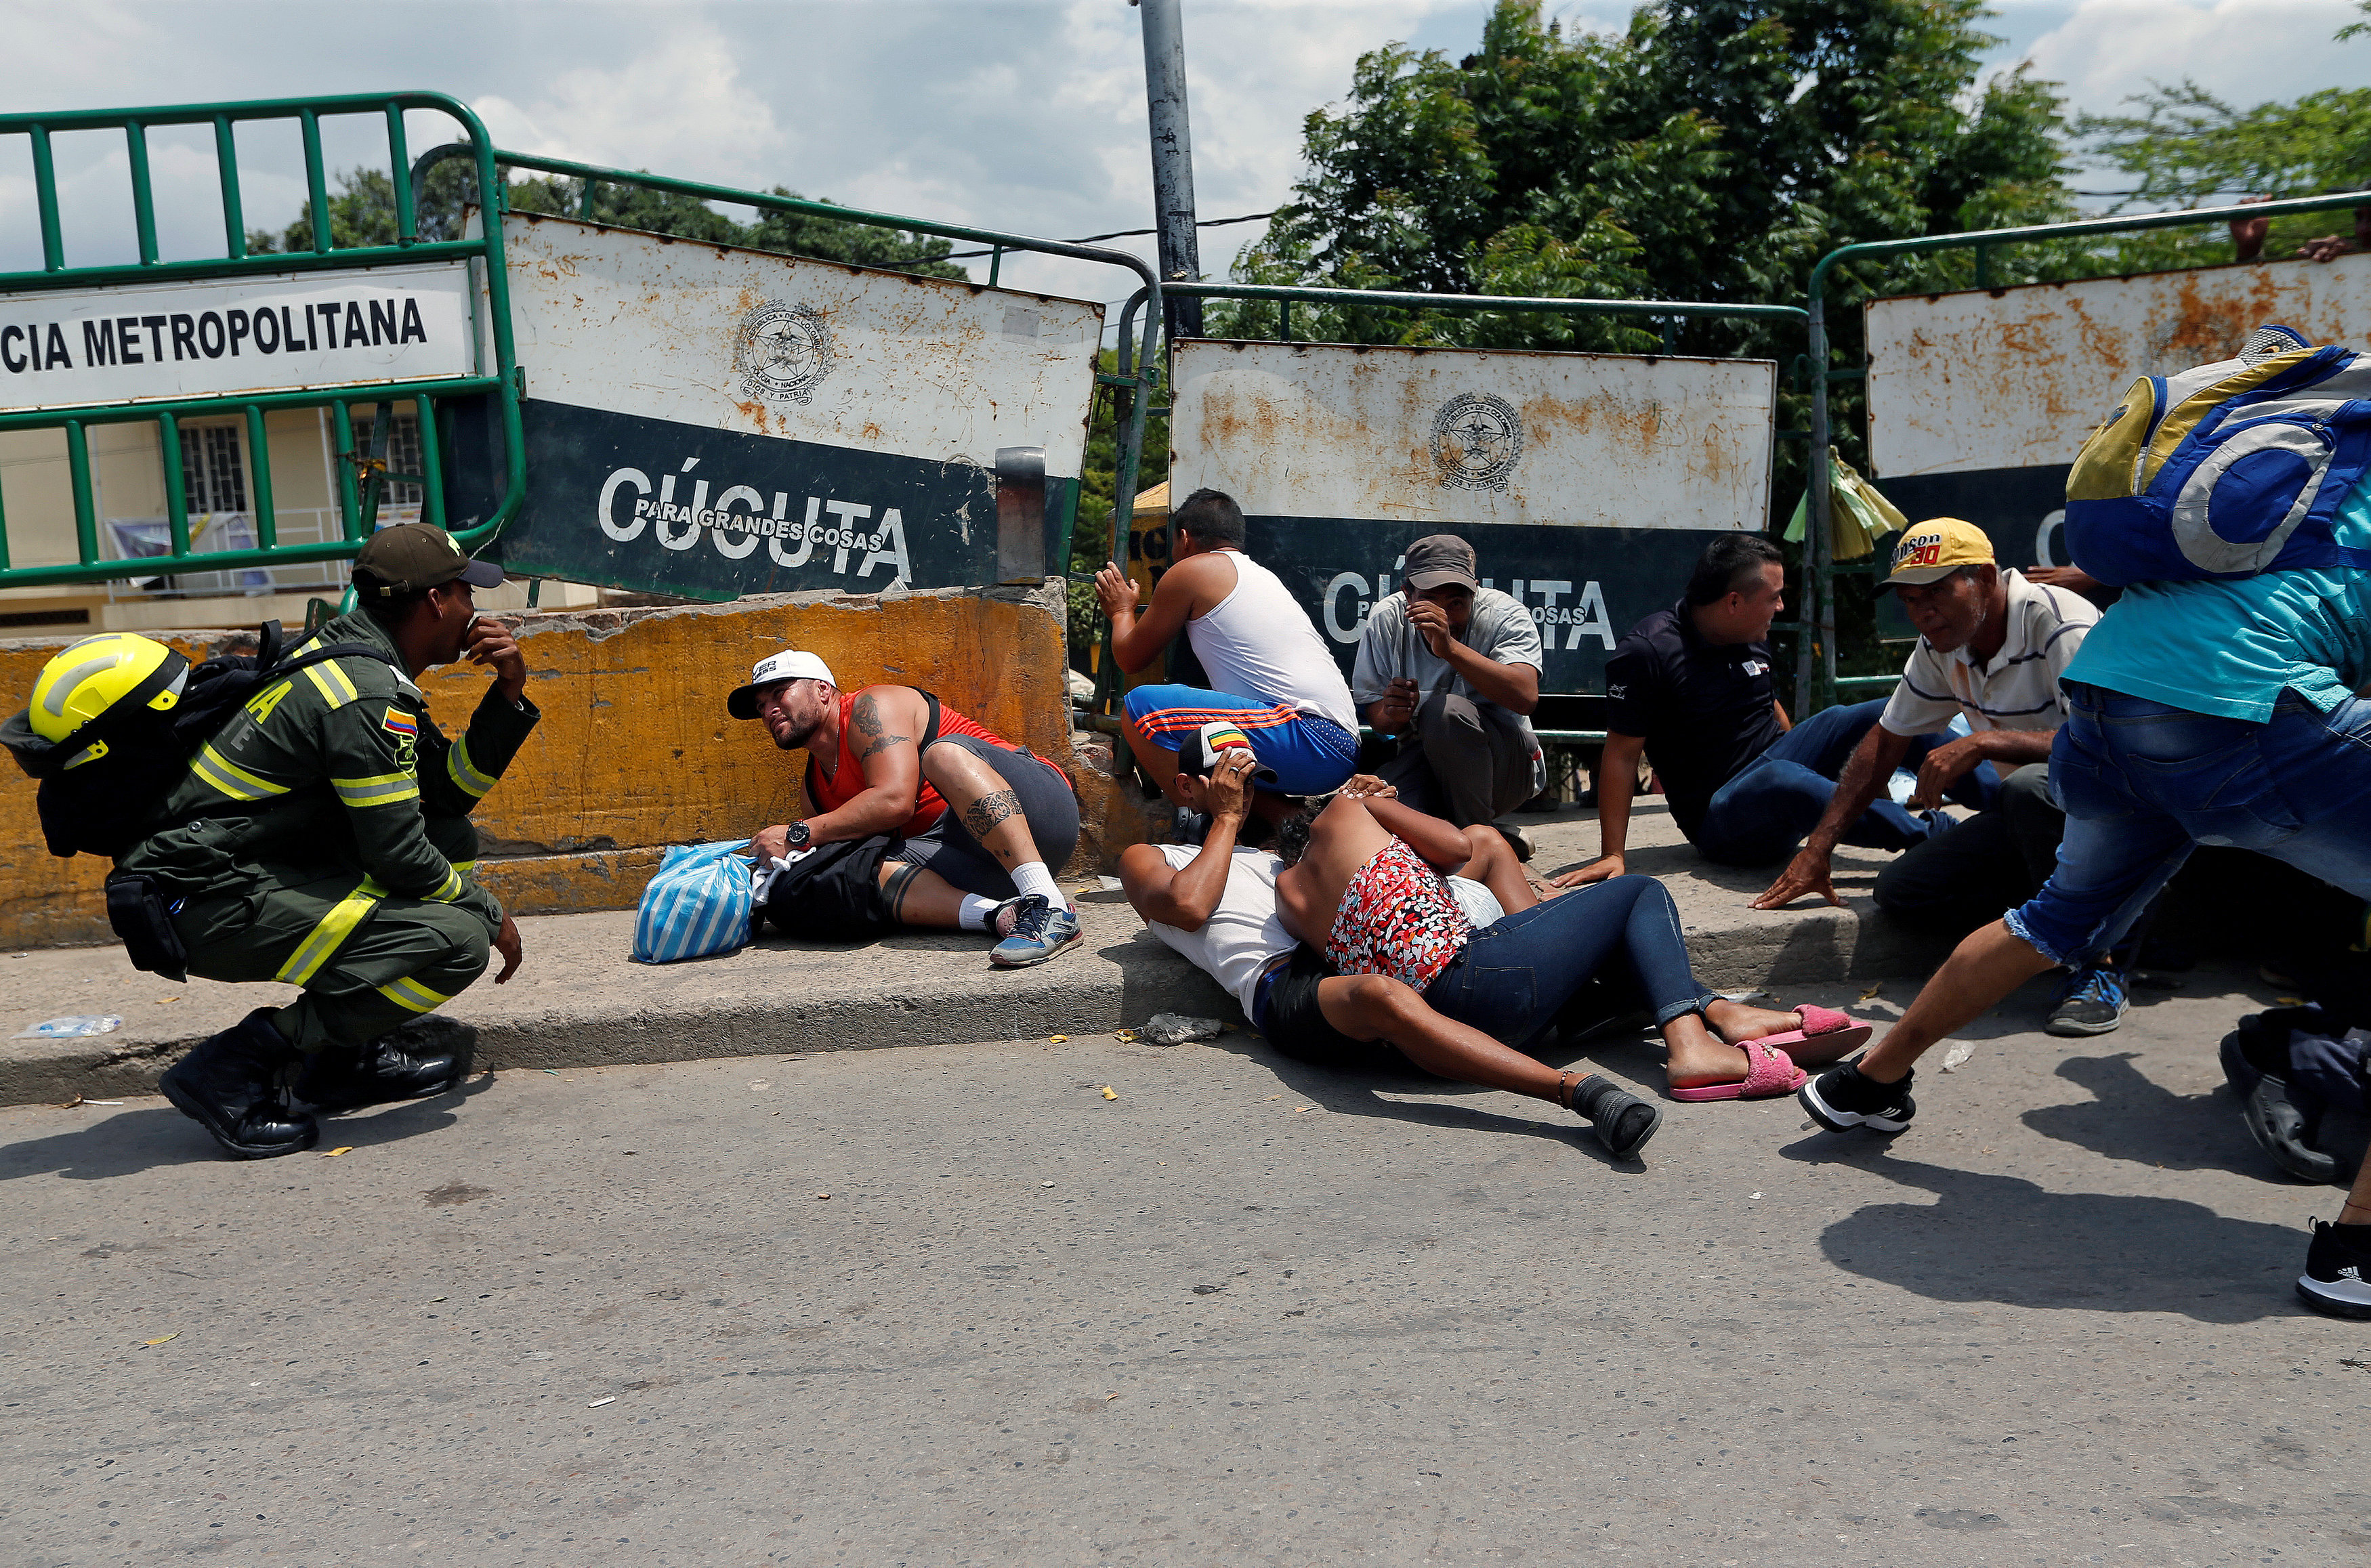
(899, 883)
(981, 816)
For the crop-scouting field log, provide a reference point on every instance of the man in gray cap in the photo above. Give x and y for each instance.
(1453, 669)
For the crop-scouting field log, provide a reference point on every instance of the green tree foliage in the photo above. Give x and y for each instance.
(2186, 148)
(362, 212)
(1712, 152)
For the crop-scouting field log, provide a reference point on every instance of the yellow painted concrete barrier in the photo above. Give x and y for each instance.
(635, 750)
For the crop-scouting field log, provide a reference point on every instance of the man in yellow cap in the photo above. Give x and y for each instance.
(1992, 650)
(321, 839)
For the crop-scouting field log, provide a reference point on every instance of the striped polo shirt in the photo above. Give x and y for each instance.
(2017, 689)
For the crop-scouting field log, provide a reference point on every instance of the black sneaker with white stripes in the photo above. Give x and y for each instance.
(2337, 1278)
(1840, 1099)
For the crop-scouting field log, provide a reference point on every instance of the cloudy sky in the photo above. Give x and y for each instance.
(1019, 114)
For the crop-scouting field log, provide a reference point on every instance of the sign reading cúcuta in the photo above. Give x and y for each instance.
(712, 421)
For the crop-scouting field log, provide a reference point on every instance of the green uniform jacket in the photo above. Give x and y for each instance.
(331, 769)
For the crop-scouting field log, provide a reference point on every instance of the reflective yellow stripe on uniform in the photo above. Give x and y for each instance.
(383, 789)
(466, 867)
(332, 681)
(449, 889)
(412, 994)
(321, 943)
(226, 775)
(464, 775)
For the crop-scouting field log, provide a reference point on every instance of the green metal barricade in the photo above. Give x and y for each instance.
(1816, 677)
(364, 475)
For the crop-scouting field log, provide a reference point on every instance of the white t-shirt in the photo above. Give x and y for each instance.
(2017, 689)
(1244, 935)
(1257, 642)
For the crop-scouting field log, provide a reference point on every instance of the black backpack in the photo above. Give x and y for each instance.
(110, 803)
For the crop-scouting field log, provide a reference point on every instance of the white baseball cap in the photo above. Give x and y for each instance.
(789, 665)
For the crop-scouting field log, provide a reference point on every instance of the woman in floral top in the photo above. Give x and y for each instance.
(1364, 887)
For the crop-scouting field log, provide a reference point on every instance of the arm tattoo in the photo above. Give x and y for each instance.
(866, 713)
(981, 816)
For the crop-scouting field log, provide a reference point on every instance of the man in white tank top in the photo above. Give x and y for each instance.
(1270, 672)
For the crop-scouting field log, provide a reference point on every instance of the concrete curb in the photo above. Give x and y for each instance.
(579, 1002)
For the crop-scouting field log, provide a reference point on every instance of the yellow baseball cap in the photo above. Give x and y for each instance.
(1934, 549)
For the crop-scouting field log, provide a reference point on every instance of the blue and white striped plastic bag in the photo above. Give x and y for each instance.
(699, 903)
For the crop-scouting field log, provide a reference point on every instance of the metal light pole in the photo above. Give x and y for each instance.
(1172, 158)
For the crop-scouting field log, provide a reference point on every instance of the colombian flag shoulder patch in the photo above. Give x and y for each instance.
(401, 724)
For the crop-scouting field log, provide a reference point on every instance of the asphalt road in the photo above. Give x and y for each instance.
(1240, 1312)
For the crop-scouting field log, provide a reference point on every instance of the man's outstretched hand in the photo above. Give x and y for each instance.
(506, 942)
(1808, 872)
(491, 643)
(1595, 871)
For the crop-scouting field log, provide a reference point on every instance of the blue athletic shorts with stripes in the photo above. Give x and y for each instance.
(1311, 754)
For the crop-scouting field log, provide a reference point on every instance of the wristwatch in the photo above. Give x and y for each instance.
(796, 836)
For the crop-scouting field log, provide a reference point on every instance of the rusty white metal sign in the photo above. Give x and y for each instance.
(2016, 378)
(1586, 483)
(1449, 436)
(715, 421)
(1978, 401)
(144, 342)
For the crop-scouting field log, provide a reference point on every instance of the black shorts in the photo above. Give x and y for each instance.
(1287, 1012)
(1047, 804)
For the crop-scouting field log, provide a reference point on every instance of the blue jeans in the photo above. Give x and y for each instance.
(1517, 973)
(1763, 813)
(2143, 783)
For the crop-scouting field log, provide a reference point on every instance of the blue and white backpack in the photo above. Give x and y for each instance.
(2227, 470)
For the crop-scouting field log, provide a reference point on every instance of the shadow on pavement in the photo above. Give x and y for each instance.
(141, 1140)
(2005, 1240)
(2137, 1119)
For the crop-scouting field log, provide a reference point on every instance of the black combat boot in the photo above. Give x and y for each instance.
(236, 1086)
(417, 1061)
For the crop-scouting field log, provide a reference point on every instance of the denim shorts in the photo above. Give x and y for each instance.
(2143, 782)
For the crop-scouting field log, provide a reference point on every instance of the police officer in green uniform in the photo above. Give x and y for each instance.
(322, 838)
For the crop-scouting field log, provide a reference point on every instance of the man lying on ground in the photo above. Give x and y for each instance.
(1690, 686)
(1362, 887)
(1274, 675)
(983, 822)
(2214, 710)
(1991, 649)
(1215, 903)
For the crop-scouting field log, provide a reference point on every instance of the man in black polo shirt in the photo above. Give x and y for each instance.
(1690, 686)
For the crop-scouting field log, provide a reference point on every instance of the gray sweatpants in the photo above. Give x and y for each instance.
(1466, 762)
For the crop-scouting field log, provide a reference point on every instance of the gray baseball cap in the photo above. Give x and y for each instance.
(1439, 559)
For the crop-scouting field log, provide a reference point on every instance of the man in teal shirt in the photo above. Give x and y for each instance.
(2201, 712)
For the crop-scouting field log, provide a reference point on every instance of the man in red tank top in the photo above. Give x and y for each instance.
(981, 823)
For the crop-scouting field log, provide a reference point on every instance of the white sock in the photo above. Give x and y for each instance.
(1033, 877)
(975, 913)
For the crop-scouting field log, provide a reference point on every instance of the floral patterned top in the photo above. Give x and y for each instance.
(1398, 918)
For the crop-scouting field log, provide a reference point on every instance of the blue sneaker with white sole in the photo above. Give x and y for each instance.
(2093, 1001)
(1033, 931)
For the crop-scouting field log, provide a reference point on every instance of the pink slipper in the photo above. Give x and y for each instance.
(1771, 1073)
(1829, 1026)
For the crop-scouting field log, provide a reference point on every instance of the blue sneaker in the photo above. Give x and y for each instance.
(1033, 931)
(2093, 1001)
